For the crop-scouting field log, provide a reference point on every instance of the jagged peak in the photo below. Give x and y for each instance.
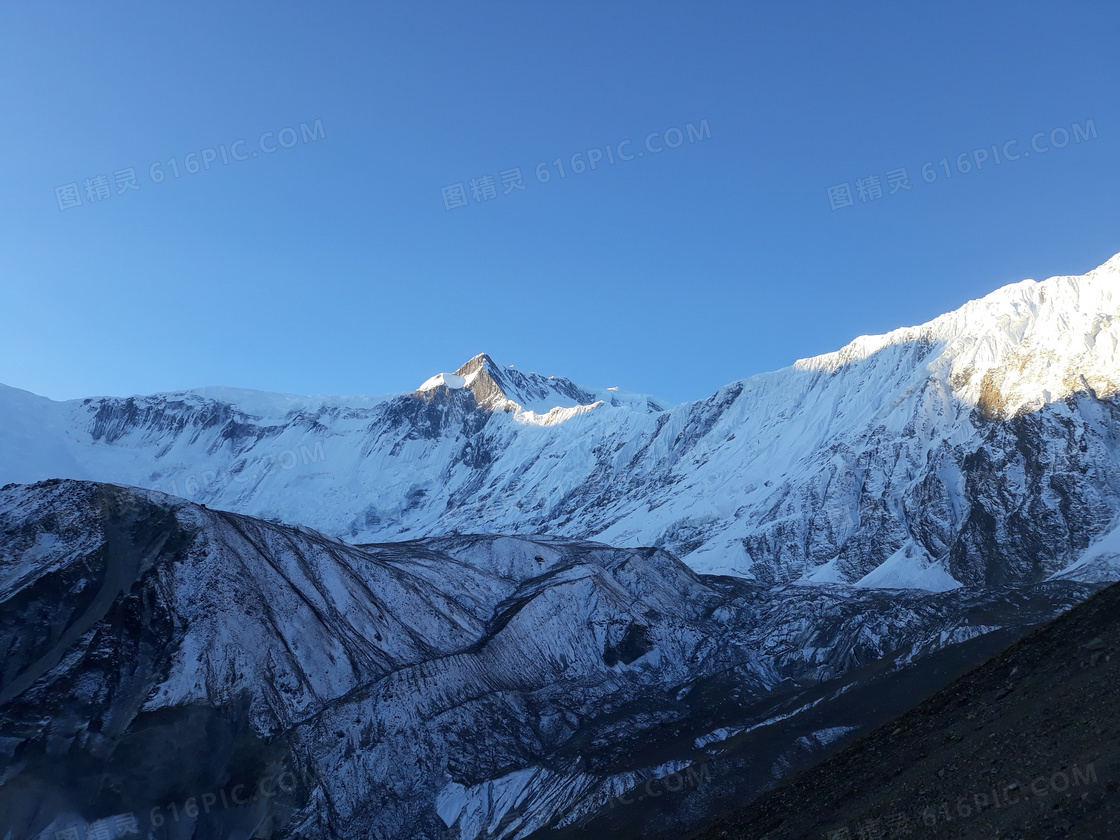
(477, 362)
(497, 388)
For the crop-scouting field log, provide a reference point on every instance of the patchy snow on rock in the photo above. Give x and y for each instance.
(373, 669)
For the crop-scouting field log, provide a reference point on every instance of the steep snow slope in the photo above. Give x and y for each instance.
(978, 448)
(155, 652)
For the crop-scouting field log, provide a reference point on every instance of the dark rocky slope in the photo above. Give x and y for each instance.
(155, 653)
(1025, 746)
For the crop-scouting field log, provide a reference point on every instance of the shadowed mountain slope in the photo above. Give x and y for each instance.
(155, 652)
(1025, 746)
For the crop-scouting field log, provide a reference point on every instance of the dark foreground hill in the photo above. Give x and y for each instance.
(1025, 746)
(162, 664)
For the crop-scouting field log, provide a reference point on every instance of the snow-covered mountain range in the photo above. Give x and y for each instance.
(396, 600)
(978, 448)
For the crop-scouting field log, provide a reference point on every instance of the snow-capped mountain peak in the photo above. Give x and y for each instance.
(1023, 346)
(506, 389)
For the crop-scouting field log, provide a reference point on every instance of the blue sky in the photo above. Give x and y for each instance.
(333, 265)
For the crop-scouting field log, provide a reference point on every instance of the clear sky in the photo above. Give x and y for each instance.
(331, 264)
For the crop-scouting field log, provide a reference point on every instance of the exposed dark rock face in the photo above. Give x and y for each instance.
(635, 642)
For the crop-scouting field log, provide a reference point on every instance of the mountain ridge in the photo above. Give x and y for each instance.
(875, 465)
(1110, 266)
